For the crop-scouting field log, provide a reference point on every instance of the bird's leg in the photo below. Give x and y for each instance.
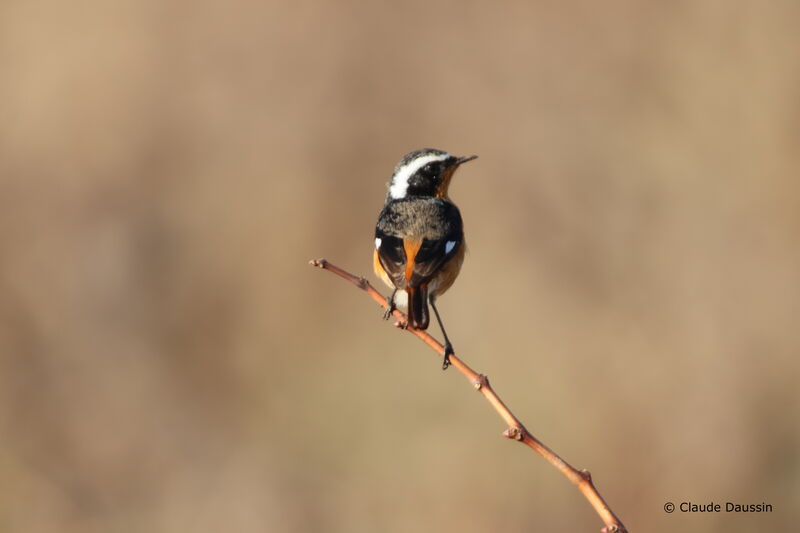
(448, 347)
(389, 310)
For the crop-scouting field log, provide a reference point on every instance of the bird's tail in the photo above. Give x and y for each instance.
(418, 317)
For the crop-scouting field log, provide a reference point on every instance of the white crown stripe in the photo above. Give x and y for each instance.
(399, 184)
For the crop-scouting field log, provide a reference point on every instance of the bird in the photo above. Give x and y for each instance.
(419, 237)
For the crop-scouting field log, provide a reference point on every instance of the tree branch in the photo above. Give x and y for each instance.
(580, 478)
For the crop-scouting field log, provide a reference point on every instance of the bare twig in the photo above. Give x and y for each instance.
(580, 478)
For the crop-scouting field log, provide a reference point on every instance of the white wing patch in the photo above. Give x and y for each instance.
(448, 247)
(377, 243)
(399, 184)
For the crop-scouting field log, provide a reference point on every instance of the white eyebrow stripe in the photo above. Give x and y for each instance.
(399, 183)
(448, 247)
(377, 243)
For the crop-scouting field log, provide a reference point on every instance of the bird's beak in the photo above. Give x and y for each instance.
(461, 160)
(448, 174)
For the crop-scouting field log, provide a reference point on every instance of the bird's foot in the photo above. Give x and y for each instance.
(391, 307)
(448, 351)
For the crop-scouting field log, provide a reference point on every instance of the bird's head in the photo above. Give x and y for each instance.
(425, 172)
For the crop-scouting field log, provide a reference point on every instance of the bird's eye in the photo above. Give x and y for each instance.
(430, 169)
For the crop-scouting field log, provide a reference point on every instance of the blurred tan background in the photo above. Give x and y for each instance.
(169, 363)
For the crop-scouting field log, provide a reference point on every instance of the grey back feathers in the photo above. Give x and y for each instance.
(420, 218)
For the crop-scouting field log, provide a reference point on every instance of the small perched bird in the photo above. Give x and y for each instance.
(419, 237)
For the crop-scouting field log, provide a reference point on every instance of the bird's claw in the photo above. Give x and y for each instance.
(390, 307)
(448, 351)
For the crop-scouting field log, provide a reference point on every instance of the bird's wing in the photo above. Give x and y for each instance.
(392, 257)
(429, 258)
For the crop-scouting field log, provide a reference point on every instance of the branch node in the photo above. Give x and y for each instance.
(514, 432)
(402, 324)
(586, 475)
(320, 263)
(362, 283)
(480, 381)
